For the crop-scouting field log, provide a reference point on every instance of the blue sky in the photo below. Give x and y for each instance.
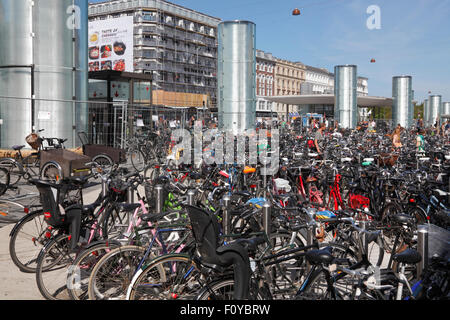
(414, 38)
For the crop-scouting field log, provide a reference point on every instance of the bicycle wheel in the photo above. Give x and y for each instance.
(111, 276)
(14, 169)
(285, 276)
(137, 159)
(51, 171)
(104, 161)
(223, 289)
(172, 276)
(51, 270)
(4, 180)
(27, 239)
(420, 216)
(316, 287)
(80, 271)
(11, 210)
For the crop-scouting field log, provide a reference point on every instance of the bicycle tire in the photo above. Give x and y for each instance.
(14, 168)
(104, 161)
(286, 274)
(137, 159)
(223, 289)
(113, 273)
(4, 180)
(175, 277)
(80, 271)
(316, 288)
(11, 210)
(34, 241)
(51, 278)
(51, 171)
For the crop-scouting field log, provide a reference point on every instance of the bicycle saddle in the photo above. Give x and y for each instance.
(17, 147)
(402, 218)
(408, 256)
(319, 256)
(250, 244)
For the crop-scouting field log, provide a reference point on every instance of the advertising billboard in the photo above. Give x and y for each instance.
(111, 44)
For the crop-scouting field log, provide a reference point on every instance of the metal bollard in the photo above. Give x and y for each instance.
(159, 198)
(104, 183)
(191, 197)
(226, 218)
(422, 247)
(267, 218)
(130, 195)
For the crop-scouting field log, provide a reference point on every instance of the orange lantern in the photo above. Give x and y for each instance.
(296, 12)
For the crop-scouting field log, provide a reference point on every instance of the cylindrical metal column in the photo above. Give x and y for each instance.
(446, 108)
(16, 48)
(52, 36)
(402, 101)
(435, 102)
(236, 75)
(426, 112)
(422, 248)
(159, 199)
(345, 99)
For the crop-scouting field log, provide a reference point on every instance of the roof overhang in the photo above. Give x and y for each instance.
(328, 99)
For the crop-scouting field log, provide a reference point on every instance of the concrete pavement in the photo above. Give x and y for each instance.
(14, 284)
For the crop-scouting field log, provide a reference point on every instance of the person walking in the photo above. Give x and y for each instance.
(420, 142)
(319, 139)
(396, 141)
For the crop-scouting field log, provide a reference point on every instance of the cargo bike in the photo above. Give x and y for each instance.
(49, 160)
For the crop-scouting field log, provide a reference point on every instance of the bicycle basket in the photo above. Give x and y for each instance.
(357, 201)
(34, 141)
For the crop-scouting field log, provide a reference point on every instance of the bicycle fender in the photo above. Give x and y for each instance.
(16, 162)
(13, 230)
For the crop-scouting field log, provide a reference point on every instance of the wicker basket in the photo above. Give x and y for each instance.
(34, 141)
(386, 159)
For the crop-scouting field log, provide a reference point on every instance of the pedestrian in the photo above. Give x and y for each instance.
(319, 139)
(396, 141)
(420, 142)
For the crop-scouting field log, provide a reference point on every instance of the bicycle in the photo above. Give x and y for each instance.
(28, 167)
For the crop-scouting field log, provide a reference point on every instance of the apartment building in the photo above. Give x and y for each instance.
(265, 83)
(288, 79)
(317, 81)
(176, 44)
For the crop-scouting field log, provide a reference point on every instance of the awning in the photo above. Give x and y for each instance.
(328, 99)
